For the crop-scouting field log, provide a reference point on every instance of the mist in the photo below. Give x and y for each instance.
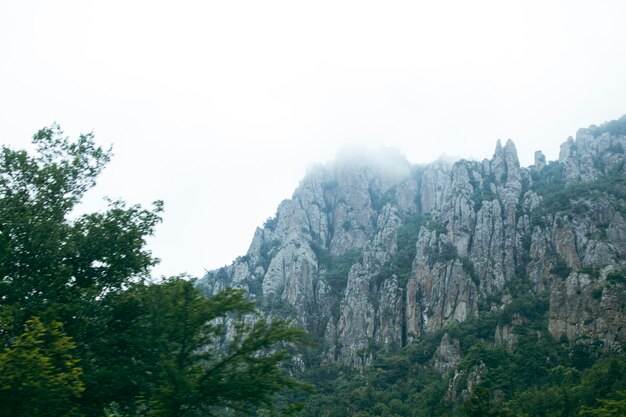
(219, 108)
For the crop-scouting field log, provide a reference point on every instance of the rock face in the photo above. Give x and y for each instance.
(371, 252)
(447, 355)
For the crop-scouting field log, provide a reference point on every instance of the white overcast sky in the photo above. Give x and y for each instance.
(217, 107)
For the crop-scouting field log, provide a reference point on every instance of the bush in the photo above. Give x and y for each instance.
(561, 269)
(614, 127)
(616, 277)
(401, 262)
(271, 223)
(338, 269)
(468, 266)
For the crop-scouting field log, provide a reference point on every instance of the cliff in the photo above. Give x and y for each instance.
(372, 252)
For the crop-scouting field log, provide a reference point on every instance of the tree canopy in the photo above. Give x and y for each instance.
(83, 331)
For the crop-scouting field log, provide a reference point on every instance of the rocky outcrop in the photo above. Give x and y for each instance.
(371, 251)
(588, 308)
(447, 355)
(505, 332)
(467, 379)
(444, 289)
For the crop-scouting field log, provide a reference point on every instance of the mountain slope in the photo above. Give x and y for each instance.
(372, 253)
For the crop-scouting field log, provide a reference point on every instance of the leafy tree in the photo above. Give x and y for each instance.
(478, 404)
(51, 266)
(55, 268)
(81, 333)
(607, 408)
(197, 355)
(39, 375)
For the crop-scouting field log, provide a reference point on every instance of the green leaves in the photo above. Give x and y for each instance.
(535, 376)
(50, 266)
(607, 408)
(101, 340)
(193, 354)
(69, 167)
(219, 354)
(80, 331)
(39, 375)
(58, 270)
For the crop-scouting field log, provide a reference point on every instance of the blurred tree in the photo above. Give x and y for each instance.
(55, 268)
(201, 354)
(39, 375)
(607, 408)
(77, 318)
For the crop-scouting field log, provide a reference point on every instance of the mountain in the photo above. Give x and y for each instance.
(372, 254)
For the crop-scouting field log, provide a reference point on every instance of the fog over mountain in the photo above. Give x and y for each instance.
(373, 251)
(210, 105)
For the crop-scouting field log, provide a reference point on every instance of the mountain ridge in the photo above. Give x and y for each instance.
(371, 259)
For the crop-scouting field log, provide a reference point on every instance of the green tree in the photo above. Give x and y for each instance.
(58, 269)
(478, 404)
(607, 408)
(127, 348)
(39, 375)
(50, 266)
(203, 354)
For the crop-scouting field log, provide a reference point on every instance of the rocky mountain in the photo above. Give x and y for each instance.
(371, 252)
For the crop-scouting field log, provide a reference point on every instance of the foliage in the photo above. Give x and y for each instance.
(468, 267)
(444, 252)
(54, 268)
(561, 269)
(39, 375)
(267, 250)
(479, 404)
(401, 262)
(593, 271)
(334, 269)
(338, 268)
(616, 277)
(185, 353)
(614, 127)
(483, 192)
(82, 334)
(273, 304)
(538, 376)
(271, 223)
(607, 408)
(49, 264)
(549, 179)
(563, 198)
(203, 353)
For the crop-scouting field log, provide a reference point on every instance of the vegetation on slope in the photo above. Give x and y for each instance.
(538, 376)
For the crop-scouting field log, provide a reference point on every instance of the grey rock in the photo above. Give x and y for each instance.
(483, 224)
(540, 160)
(447, 355)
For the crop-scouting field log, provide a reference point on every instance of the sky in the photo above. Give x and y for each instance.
(218, 107)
